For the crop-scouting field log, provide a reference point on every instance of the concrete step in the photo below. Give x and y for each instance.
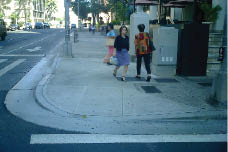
(213, 48)
(215, 33)
(216, 38)
(213, 65)
(213, 55)
(212, 60)
(217, 43)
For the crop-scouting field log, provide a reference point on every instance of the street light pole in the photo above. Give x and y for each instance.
(78, 14)
(68, 44)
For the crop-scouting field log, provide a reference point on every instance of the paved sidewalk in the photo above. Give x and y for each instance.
(83, 85)
(80, 94)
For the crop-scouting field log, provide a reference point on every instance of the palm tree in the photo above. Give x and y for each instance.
(51, 8)
(23, 5)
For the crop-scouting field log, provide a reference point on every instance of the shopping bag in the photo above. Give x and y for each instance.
(110, 42)
(114, 60)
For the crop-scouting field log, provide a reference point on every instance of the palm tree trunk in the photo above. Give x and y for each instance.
(94, 18)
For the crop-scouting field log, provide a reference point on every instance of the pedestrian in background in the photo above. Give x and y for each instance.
(93, 29)
(90, 28)
(110, 43)
(143, 50)
(121, 46)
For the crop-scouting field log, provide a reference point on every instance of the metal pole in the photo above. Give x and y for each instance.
(78, 14)
(67, 33)
(123, 13)
(159, 12)
(224, 43)
(68, 46)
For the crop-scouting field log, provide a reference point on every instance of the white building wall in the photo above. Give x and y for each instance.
(153, 12)
(177, 13)
(13, 7)
(220, 21)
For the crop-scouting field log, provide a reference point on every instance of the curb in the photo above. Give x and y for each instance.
(41, 70)
(43, 101)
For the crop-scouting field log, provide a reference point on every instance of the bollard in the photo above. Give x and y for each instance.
(75, 36)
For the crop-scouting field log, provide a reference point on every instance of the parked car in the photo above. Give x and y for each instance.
(39, 25)
(13, 27)
(3, 31)
(73, 26)
(46, 25)
(27, 26)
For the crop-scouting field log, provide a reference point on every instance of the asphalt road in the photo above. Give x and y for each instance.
(19, 53)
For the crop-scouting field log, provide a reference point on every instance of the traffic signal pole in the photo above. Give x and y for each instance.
(68, 44)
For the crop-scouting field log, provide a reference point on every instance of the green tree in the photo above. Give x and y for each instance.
(50, 7)
(210, 13)
(4, 6)
(23, 6)
(83, 8)
(14, 17)
(121, 8)
(95, 9)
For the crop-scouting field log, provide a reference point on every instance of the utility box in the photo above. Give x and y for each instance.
(164, 58)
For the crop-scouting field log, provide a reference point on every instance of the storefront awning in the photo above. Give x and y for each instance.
(146, 2)
(169, 3)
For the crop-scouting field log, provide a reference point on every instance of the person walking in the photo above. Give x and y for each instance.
(93, 29)
(121, 46)
(143, 50)
(110, 43)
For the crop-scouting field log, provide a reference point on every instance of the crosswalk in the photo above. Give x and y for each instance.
(3, 60)
(108, 138)
(10, 66)
(9, 62)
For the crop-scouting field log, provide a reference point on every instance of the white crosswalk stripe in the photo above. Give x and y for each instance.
(11, 66)
(104, 138)
(3, 60)
(22, 55)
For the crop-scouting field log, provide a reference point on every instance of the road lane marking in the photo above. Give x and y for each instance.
(25, 46)
(31, 43)
(3, 60)
(23, 55)
(104, 138)
(38, 48)
(11, 66)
